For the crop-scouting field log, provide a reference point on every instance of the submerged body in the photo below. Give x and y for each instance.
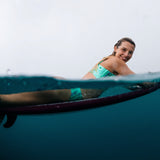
(112, 65)
(109, 66)
(98, 71)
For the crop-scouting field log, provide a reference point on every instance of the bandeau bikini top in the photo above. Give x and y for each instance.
(99, 71)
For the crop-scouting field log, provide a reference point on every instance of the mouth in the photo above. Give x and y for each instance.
(124, 59)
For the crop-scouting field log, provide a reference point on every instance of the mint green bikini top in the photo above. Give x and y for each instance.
(99, 71)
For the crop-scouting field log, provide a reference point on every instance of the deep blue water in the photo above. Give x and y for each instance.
(128, 130)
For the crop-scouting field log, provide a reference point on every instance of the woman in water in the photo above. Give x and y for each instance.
(113, 65)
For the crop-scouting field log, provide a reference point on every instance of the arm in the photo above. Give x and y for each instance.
(117, 66)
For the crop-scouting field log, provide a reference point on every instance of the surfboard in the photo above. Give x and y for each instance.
(30, 84)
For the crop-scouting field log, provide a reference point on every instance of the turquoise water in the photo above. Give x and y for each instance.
(127, 130)
(21, 83)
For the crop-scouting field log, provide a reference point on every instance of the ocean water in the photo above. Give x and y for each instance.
(126, 130)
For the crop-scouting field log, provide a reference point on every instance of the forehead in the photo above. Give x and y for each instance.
(127, 45)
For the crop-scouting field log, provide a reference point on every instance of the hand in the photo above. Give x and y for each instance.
(143, 85)
(146, 85)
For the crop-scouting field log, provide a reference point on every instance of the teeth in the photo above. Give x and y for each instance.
(124, 59)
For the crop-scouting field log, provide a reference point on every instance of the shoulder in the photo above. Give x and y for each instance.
(116, 65)
(112, 63)
(115, 59)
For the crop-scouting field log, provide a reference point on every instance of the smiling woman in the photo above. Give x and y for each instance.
(115, 64)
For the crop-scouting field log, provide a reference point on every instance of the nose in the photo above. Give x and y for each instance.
(127, 54)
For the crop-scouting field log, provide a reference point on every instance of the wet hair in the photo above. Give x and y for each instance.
(125, 39)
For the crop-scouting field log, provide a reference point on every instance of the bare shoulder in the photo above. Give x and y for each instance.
(112, 62)
(116, 66)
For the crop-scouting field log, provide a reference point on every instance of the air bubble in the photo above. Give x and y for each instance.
(59, 83)
(24, 83)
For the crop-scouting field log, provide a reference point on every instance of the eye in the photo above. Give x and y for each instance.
(130, 52)
(124, 49)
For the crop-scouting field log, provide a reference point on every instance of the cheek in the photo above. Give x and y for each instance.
(119, 53)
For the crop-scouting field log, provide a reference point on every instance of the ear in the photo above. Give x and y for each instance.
(115, 48)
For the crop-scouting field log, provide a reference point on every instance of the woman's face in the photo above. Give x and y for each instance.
(124, 51)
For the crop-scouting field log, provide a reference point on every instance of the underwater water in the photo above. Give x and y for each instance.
(126, 130)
